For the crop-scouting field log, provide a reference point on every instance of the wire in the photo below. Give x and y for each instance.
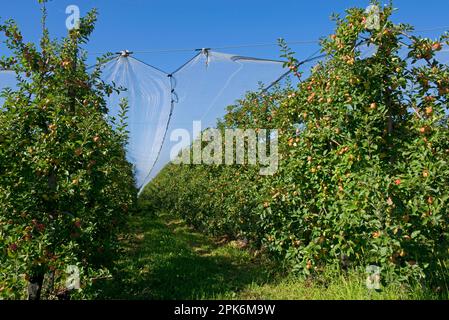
(315, 56)
(187, 62)
(103, 62)
(154, 51)
(254, 45)
(148, 65)
(264, 45)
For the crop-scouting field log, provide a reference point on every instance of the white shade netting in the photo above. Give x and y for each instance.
(148, 92)
(198, 91)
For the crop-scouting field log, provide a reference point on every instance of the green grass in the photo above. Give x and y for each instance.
(162, 258)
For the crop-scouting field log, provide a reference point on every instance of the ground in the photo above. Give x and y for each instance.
(162, 258)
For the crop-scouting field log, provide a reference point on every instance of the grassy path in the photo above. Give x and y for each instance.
(162, 258)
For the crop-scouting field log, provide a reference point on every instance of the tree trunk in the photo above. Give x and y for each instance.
(35, 287)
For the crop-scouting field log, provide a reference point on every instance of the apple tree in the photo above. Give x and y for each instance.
(363, 174)
(65, 185)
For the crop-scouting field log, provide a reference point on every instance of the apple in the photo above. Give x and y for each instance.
(27, 237)
(17, 37)
(77, 223)
(424, 130)
(65, 63)
(436, 46)
(309, 265)
(13, 247)
(443, 90)
(311, 97)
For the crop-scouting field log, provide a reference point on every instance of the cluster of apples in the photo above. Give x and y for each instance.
(427, 50)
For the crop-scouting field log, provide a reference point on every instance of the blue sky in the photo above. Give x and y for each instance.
(144, 25)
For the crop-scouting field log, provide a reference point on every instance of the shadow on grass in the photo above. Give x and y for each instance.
(162, 258)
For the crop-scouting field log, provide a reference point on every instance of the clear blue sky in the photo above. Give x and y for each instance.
(143, 25)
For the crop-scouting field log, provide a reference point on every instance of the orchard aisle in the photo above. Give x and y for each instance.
(162, 258)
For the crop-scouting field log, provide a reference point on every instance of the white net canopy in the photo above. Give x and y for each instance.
(149, 97)
(162, 102)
